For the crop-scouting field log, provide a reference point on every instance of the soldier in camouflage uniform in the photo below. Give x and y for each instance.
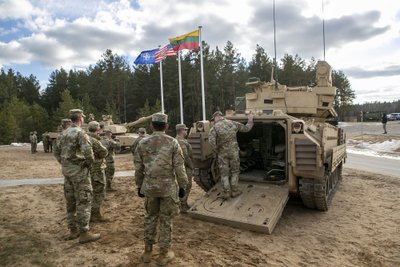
(65, 124)
(75, 154)
(111, 146)
(222, 139)
(97, 175)
(33, 140)
(142, 134)
(181, 133)
(161, 178)
(45, 142)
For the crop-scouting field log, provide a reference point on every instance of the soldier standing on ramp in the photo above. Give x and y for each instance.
(76, 157)
(97, 175)
(223, 140)
(181, 133)
(161, 178)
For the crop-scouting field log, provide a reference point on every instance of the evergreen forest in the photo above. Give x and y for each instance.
(115, 86)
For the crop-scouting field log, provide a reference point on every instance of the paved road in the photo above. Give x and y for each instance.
(379, 165)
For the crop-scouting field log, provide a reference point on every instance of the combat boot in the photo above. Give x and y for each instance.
(226, 195)
(184, 207)
(236, 193)
(146, 256)
(86, 237)
(110, 188)
(165, 256)
(73, 234)
(96, 216)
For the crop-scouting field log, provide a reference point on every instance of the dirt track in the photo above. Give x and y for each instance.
(362, 228)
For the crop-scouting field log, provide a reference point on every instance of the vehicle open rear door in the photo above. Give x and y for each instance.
(257, 209)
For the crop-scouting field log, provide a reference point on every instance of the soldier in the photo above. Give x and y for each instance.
(49, 143)
(142, 134)
(161, 178)
(181, 133)
(97, 172)
(76, 156)
(45, 142)
(91, 117)
(111, 146)
(222, 139)
(65, 124)
(33, 140)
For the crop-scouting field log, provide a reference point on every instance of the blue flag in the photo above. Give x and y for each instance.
(146, 57)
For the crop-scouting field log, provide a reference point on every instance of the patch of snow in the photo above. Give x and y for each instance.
(20, 144)
(386, 149)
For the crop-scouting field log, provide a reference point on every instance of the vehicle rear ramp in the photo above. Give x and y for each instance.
(257, 209)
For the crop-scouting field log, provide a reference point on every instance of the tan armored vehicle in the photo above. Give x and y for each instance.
(291, 151)
(125, 134)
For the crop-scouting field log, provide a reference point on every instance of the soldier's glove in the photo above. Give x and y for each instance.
(140, 194)
(182, 192)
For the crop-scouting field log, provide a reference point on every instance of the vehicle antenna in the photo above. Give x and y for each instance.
(276, 72)
(323, 27)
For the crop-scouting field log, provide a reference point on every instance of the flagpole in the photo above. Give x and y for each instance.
(180, 84)
(203, 101)
(162, 86)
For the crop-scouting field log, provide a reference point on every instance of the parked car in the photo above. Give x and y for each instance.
(393, 116)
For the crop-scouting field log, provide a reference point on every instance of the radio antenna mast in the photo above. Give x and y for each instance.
(275, 64)
(323, 26)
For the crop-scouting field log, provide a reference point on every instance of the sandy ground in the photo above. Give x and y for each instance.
(362, 227)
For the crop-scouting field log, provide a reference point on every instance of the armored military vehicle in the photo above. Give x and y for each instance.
(291, 151)
(124, 134)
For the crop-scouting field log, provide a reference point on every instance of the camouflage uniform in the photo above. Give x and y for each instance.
(111, 146)
(97, 171)
(222, 138)
(45, 143)
(74, 152)
(33, 140)
(142, 134)
(160, 172)
(188, 157)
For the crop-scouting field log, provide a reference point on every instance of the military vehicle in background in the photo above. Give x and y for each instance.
(124, 134)
(291, 151)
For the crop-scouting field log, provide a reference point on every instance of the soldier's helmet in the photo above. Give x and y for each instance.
(216, 113)
(159, 117)
(181, 127)
(93, 126)
(142, 130)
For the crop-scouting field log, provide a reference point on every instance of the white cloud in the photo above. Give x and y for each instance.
(360, 36)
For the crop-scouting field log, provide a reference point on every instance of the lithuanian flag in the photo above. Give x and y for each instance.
(186, 41)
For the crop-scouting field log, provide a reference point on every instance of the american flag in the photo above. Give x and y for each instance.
(163, 52)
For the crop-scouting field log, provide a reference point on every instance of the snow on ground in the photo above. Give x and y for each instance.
(386, 149)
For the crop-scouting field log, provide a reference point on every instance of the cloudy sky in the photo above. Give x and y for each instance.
(362, 37)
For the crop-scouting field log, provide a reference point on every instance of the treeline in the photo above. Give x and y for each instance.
(113, 86)
(353, 112)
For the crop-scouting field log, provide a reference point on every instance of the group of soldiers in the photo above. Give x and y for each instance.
(85, 159)
(163, 174)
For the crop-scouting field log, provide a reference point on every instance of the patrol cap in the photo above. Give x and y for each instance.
(181, 126)
(76, 111)
(216, 113)
(93, 126)
(142, 130)
(159, 117)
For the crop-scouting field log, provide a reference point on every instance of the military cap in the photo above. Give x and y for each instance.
(65, 121)
(159, 117)
(217, 113)
(76, 111)
(142, 130)
(93, 126)
(181, 126)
